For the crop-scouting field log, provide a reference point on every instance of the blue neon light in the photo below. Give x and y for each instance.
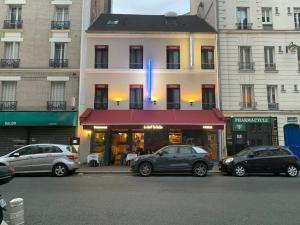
(149, 79)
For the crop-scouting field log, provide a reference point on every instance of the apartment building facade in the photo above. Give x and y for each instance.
(149, 81)
(39, 71)
(259, 44)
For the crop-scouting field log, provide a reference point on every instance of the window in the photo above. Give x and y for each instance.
(57, 96)
(59, 59)
(242, 19)
(173, 96)
(207, 57)
(136, 97)
(101, 56)
(61, 13)
(299, 58)
(248, 96)
(208, 96)
(11, 50)
(8, 96)
(136, 57)
(270, 58)
(246, 58)
(280, 152)
(170, 150)
(173, 57)
(272, 97)
(297, 17)
(27, 150)
(186, 150)
(263, 153)
(267, 18)
(101, 96)
(14, 17)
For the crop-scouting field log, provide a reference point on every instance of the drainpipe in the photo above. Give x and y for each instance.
(192, 49)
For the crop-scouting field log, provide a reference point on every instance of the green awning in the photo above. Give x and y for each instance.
(35, 119)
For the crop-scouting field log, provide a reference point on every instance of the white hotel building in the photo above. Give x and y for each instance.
(259, 69)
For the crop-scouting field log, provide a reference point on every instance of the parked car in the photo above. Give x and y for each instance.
(261, 159)
(6, 172)
(174, 158)
(43, 158)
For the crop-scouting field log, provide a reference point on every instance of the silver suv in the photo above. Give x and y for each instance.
(43, 158)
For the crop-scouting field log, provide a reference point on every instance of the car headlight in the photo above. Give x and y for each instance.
(228, 160)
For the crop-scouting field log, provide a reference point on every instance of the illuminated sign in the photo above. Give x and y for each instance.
(208, 127)
(100, 127)
(153, 127)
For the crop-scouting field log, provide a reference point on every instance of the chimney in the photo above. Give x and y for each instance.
(98, 7)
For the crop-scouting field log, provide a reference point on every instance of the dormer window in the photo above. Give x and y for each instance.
(112, 22)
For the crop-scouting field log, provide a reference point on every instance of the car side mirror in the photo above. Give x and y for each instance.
(251, 155)
(17, 154)
(160, 153)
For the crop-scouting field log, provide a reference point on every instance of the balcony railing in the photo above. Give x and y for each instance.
(8, 105)
(273, 106)
(136, 105)
(100, 105)
(297, 26)
(173, 66)
(208, 66)
(58, 63)
(270, 66)
(101, 65)
(172, 105)
(207, 106)
(244, 26)
(56, 105)
(246, 65)
(13, 24)
(60, 25)
(10, 63)
(136, 65)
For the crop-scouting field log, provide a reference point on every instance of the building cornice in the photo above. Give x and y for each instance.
(259, 112)
(234, 31)
(39, 70)
(150, 35)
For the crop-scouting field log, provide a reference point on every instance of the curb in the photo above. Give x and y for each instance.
(126, 172)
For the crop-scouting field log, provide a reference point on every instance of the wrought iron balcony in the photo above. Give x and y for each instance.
(244, 26)
(172, 105)
(100, 105)
(246, 65)
(60, 25)
(10, 63)
(8, 105)
(208, 66)
(136, 105)
(136, 65)
(207, 106)
(56, 105)
(173, 66)
(13, 24)
(270, 66)
(101, 65)
(58, 63)
(273, 106)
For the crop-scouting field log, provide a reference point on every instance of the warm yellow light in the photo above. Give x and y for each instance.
(154, 98)
(88, 132)
(118, 99)
(208, 127)
(100, 127)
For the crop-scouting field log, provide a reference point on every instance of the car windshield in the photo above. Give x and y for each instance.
(244, 152)
(72, 149)
(199, 150)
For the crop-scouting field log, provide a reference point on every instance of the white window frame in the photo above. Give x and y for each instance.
(18, 12)
(9, 91)
(238, 14)
(63, 54)
(65, 13)
(13, 48)
(272, 94)
(267, 13)
(245, 94)
(54, 95)
(297, 18)
(269, 53)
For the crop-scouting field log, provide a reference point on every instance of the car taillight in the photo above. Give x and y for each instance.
(71, 157)
(210, 155)
(11, 169)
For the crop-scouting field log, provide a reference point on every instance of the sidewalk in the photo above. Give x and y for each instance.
(117, 170)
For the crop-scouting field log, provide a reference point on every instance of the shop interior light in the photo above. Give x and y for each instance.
(100, 127)
(208, 127)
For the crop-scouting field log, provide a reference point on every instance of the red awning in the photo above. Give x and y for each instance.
(149, 117)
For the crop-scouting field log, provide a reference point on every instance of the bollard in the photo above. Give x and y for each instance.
(16, 212)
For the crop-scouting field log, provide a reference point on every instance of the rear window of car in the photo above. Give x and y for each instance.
(199, 150)
(72, 149)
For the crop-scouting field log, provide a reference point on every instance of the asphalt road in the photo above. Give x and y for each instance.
(157, 200)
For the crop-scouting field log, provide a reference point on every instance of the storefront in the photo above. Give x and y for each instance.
(250, 131)
(113, 132)
(21, 128)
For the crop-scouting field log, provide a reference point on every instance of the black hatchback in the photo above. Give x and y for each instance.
(174, 159)
(261, 159)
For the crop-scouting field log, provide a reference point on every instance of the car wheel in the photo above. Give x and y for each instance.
(239, 170)
(200, 169)
(292, 171)
(60, 170)
(145, 169)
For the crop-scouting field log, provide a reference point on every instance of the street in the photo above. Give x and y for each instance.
(161, 199)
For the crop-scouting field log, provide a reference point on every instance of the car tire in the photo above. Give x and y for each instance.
(60, 170)
(200, 169)
(239, 170)
(292, 171)
(145, 169)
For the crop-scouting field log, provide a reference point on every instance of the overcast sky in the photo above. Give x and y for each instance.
(158, 7)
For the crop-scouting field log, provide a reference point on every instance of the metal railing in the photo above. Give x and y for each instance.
(273, 106)
(172, 105)
(136, 105)
(101, 65)
(10, 63)
(246, 65)
(173, 66)
(13, 24)
(58, 63)
(8, 105)
(136, 65)
(207, 106)
(100, 105)
(244, 26)
(270, 66)
(60, 25)
(56, 105)
(208, 66)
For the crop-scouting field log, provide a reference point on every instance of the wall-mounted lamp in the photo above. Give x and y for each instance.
(154, 100)
(88, 132)
(191, 103)
(118, 100)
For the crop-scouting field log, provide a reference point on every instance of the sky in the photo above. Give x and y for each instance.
(155, 7)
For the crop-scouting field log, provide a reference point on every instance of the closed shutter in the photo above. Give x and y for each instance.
(57, 91)
(8, 91)
(12, 138)
(51, 135)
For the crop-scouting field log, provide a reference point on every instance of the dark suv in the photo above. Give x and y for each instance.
(174, 158)
(261, 159)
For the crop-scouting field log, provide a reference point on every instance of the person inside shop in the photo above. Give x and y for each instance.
(141, 151)
(123, 157)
